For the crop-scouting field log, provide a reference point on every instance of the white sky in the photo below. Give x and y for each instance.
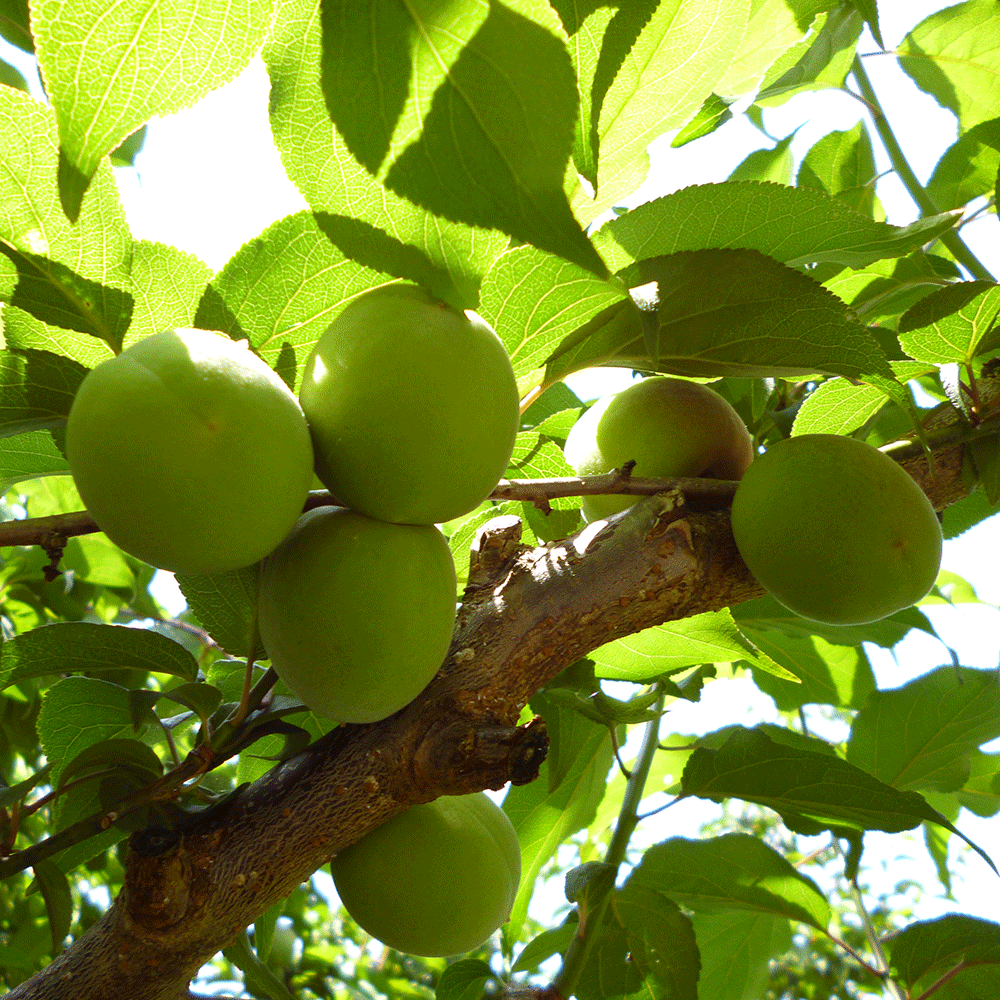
(209, 179)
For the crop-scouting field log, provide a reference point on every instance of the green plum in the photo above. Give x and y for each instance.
(189, 452)
(412, 405)
(436, 880)
(836, 530)
(357, 614)
(670, 427)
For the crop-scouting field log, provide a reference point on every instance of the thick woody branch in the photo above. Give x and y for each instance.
(527, 614)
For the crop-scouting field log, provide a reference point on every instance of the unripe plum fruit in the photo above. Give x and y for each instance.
(670, 427)
(412, 405)
(189, 452)
(436, 880)
(357, 614)
(835, 530)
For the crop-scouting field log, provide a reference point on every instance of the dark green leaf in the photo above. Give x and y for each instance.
(921, 735)
(736, 871)
(811, 791)
(15, 24)
(588, 883)
(260, 981)
(131, 755)
(29, 456)
(661, 940)
(737, 313)
(551, 942)
(927, 950)
(869, 11)
(58, 901)
(464, 980)
(9, 794)
(71, 647)
(124, 154)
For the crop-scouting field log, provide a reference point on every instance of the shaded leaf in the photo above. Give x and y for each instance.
(225, 605)
(929, 949)
(36, 390)
(735, 871)
(58, 900)
(968, 168)
(921, 735)
(131, 755)
(496, 138)
(464, 980)
(70, 647)
(736, 948)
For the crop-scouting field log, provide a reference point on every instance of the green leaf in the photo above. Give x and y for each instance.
(281, 290)
(797, 226)
(827, 674)
(464, 980)
(843, 165)
(675, 56)
(775, 26)
(544, 819)
(713, 114)
(869, 11)
(260, 980)
(71, 647)
(9, 794)
(953, 324)
(15, 24)
(968, 168)
(838, 406)
(73, 274)
(954, 945)
(922, 734)
(167, 285)
(535, 300)
(711, 637)
(108, 72)
(981, 792)
(12, 77)
(36, 390)
(954, 55)
(967, 513)
(78, 712)
(767, 165)
(820, 61)
(660, 938)
(496, 139)
(810, 791)
(382, 64)
(554, 941)
(767, 613)
(132, 755)
(735, 871)
(367, 222)
(58, 900)
(736, 313)
(736, 948)
(225, 605)
(29, 456)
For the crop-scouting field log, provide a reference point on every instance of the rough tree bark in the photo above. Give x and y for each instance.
(527, 614)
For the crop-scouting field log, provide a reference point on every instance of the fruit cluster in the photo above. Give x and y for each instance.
(193, 455)
(830, 526)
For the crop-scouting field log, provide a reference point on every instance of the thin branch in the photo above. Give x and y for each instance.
(904, 171)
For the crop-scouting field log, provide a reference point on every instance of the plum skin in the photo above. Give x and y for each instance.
(835, 530)
(357, 614)
(412, 405)
(670, 427)
(435, 880)
(189, 452)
